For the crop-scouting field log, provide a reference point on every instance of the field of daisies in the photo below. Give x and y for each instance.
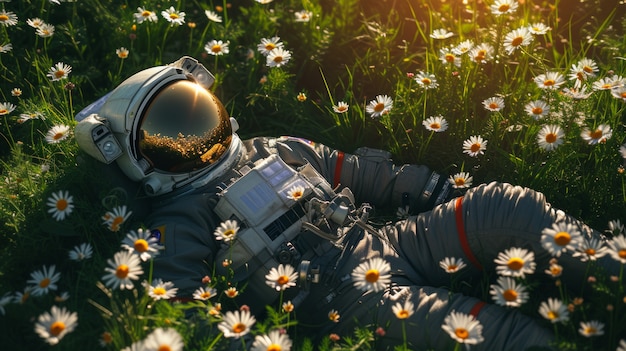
(529, 92)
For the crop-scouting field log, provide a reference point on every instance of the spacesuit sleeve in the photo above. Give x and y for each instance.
(370, 174)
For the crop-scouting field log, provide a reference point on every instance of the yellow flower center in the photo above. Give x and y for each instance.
(159, 291)
(4, 111)
(537, 110)
(341, 108)
(372, 275)
(270, 46)
(588, 69)
(515, 263)
(59, 74)
(461, 333)
(549, 82)
(44, 283)
(426, 81)
(449, 58)
(107, 338)
(562, 238)
(274, 347)
(379, 107)
(590, 251)
(205, 295)
(57, 328)
(621, 253)
(403, 314)
(475, 148)
(623, 95)
(164, 348)
(282, 280)
(229, 233)
(552, 315)
(596, 134)
(590, 330)
(510, 295)
(458, 182)
(239, 327)
(296, 194)
(62, 204)
(146, 13)
(551, 138)
(504, 8)
(173, 16)
(58, 136)
(141, 245)
(216, 48)
(278, 59)
(4, 18)
(517, 41)
(493, 105)
(435, 125)
(555, 270)
(122, 271)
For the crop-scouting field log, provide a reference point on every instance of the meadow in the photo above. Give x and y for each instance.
(529, 92)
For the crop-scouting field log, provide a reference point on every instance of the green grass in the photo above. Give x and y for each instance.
(349, 51)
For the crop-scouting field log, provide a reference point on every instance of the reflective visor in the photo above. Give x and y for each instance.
(183, 128)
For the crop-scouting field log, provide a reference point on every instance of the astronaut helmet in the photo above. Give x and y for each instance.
(163, 127)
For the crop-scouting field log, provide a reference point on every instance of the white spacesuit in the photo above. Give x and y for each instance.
(165, 129)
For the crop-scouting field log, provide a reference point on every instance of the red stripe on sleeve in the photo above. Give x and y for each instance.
(338, 166)
(460, 228)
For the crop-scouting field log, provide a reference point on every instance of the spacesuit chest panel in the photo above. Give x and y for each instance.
(270, 201)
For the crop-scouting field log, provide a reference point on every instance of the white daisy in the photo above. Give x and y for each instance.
(516, 39)
(435, 124)
(508, 293)
(608, 83)
(591, 249)
(341, 107)
(281, 278)
(380, 106)
(8, 18)
(145, 15)
(334, 316)
(236, 324)
(295, 193)
(213, 16)
(160, 290)
(463, 328)
(267, 45)
(35, 22)
(217, 47)
(142, 243)
(538, 29)
(81, 252)
(5, 300)
(441, 34)
(619, 93)
(122, 53)
(494, 104)
(447, 56)
(461, 180)
(405, 310)
(54, 325)
(615, 226)
(537, 109)
(116, 217)
(474, 146)
(278, 57)
(57, 134)
(174, 16)
(426, 80)
(549, 80)
(275, 340)
(554, 310)
(44, 280)
(600, 134)
(303, 16)
(122, 270)
(373, 274)
(515, 262)
(550, 137)
(17, 92)
(163, 339)
(4, 48)
(6, 108)
(591, 328)
(502, 7)
(617, 248)
(554, 270)
(452, 264)
(482, 53)
(45, 30)
(204, 293)
(463, 47)
(231, 292)
(59, 71)
(61, 204)
(560, 237)
(227, 230)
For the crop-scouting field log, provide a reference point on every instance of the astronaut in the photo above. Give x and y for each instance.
(307, 205)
